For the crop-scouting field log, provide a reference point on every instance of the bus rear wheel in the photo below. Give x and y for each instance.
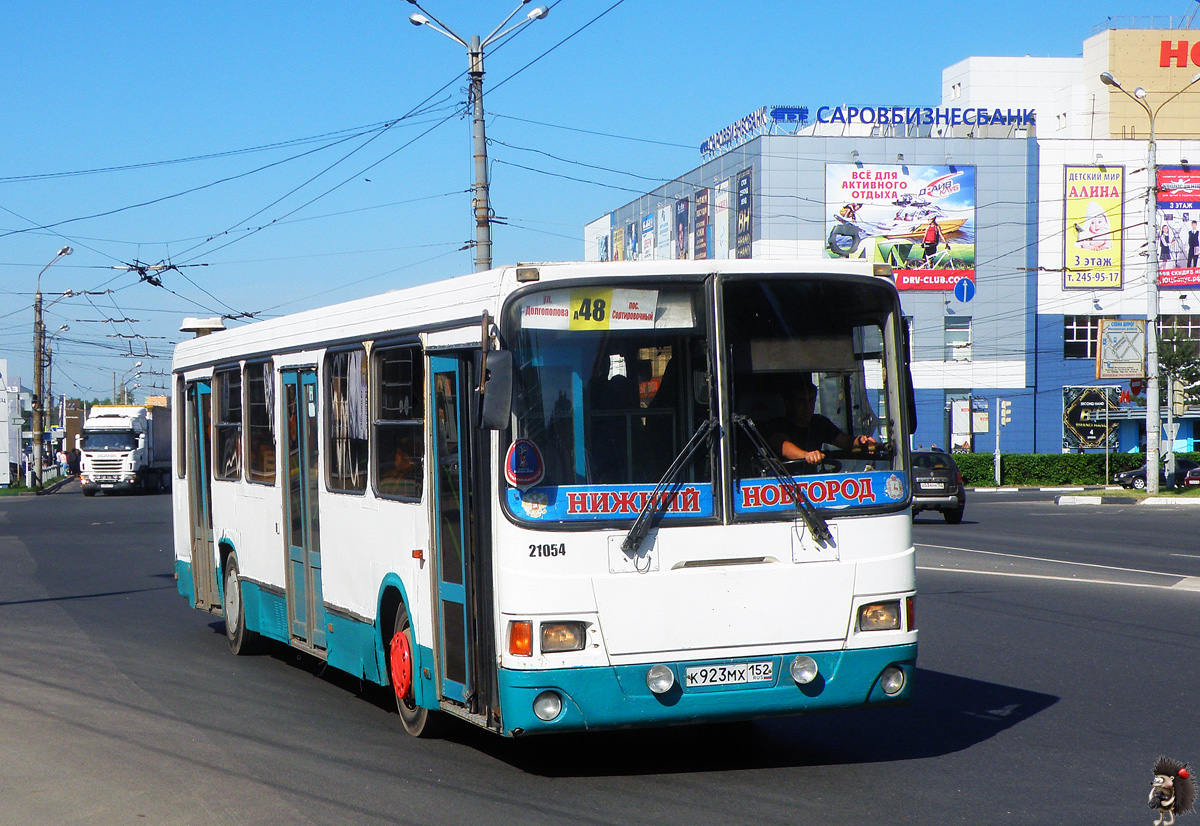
(417, 721)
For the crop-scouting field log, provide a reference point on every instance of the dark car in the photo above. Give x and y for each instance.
(1137, 478)
(937, 486)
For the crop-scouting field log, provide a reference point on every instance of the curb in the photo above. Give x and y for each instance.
(1126, 500)
(1057, 489)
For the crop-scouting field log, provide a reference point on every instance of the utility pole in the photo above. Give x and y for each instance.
(39, 356)
(1153, 414)
(481, 201)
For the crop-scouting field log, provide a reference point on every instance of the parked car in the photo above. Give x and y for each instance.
(937, 486)
(1136, 479)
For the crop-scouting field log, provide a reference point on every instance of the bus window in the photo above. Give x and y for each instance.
(399, 422)
(810, 372)
(346, 417)
(610, 384)
(229, 425)
(260, 422)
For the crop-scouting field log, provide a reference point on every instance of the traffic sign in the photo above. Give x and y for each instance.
(964, 289)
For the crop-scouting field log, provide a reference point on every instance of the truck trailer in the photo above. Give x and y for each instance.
(125, 448)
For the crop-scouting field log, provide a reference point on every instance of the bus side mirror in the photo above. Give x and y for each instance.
(495, 409)
(910, 393)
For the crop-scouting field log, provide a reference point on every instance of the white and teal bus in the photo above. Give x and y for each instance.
(549, 498)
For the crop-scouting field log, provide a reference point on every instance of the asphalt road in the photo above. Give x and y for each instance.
(1058, 659)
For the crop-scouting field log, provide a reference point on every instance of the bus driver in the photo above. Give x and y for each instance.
(801, 434)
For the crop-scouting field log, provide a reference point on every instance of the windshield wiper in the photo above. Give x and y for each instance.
(656, 502)
(811, 516)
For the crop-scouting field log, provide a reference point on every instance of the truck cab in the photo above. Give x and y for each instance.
(125, 448)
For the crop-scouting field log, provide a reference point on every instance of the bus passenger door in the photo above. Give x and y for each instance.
(199, 473)
(451, 524)
(306, 607)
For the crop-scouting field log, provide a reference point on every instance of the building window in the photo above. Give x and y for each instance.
(260, 422)
(399, 422)
(347, 416)
(1081, 335)
(1183, 326)
(228, 425)
(958, 338)
(955, 91)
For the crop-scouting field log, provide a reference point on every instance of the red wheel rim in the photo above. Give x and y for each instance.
(401, 666)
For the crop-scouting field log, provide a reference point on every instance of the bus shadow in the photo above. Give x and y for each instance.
(948, 714)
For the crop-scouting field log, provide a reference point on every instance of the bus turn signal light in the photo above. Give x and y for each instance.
(520, 638)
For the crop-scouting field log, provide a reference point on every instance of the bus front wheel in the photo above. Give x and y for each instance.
(241, 640)
(417, 721)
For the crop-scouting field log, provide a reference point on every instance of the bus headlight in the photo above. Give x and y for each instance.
(880, 616)
(547, 706)
(563, 636)
(660, 679)
(804, 670)
(892, 680)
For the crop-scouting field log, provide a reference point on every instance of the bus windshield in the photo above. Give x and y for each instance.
(108, 440)
(610, 385)
(814, 371)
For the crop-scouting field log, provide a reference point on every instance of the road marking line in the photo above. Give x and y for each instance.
(1179, 584)
(1045, 559)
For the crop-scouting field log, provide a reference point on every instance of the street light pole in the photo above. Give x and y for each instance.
(39, 354)
(1153, 414)
(481, 201)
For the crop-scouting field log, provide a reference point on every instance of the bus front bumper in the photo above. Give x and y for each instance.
(618, 697)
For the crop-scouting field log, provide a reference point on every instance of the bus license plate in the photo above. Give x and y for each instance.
(732, 674)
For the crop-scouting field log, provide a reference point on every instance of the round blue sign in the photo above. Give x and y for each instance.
(964, 290)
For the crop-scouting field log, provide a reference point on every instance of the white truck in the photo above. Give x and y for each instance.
(125, 448)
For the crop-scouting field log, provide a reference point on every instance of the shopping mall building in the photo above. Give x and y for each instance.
(1037, 173)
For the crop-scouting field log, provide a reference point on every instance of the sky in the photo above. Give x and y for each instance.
(280, 156)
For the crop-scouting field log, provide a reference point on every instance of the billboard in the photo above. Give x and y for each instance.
(1085, 420)
(919, 219)
(681, 228)
(1178, 236)
(1093, 221)
(1121, 353)
(700, 245)
(743, 226)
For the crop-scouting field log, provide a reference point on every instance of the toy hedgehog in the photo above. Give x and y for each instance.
(1173, 790)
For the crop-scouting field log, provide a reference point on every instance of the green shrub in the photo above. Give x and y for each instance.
(1048, 469)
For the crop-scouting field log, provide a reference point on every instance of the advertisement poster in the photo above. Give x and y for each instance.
(1084, 421)
(702, 224)
(919, 219)
(720, 220)
(662, 229)
(1178, 242)
(1093, 198)
(618, 244)
(647, 245)
(744, 228)
(681, 228)
(632, 234)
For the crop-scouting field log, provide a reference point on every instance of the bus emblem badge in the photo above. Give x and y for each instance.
(894, 487)
(523, 465)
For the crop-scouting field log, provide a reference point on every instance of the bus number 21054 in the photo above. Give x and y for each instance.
(549, 549)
